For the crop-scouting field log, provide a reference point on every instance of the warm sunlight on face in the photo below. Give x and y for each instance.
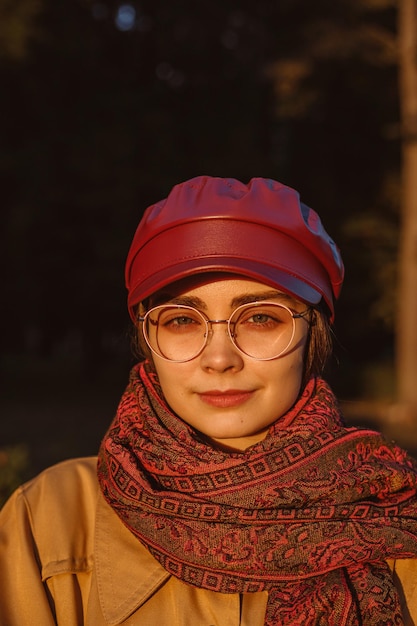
(227, 396)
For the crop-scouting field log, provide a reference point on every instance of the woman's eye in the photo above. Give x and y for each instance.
(181, 321)
(260, 318)
(264, 319)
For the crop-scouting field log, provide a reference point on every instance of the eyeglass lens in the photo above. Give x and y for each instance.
(179, 333)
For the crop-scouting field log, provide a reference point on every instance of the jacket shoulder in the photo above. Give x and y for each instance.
(405, 579)
(63, 479)
(56, 512)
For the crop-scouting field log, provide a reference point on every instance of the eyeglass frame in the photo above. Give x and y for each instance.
(209, 331)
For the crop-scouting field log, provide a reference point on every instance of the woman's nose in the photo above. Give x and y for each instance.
(220, 354)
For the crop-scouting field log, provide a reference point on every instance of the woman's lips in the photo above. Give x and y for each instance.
(225, 399)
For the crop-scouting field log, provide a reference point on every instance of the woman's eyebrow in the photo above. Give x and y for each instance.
(193, 301)
(264, 295)
(245, 298)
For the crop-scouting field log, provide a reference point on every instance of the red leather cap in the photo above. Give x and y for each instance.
(260, 231)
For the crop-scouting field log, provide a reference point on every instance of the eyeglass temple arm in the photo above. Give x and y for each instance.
(303, 313)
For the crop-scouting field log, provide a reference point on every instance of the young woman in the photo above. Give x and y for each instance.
(227, 490)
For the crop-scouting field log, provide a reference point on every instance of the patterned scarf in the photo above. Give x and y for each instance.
(310, 514)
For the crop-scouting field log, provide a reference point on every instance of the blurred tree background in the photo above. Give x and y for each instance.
(105, 105)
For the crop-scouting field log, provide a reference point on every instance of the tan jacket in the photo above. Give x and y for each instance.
(67, 560)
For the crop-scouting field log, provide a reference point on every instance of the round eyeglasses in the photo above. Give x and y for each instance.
(260, 330)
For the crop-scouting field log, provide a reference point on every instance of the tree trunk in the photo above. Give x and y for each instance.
(406, 330)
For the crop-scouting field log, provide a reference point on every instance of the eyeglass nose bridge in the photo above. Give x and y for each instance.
(209, 332)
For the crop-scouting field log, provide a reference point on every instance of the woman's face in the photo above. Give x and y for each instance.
(227, 396)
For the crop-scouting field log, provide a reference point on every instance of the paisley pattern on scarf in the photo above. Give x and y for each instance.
(311, 513)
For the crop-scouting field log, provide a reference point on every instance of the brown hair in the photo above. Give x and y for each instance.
(319, 344)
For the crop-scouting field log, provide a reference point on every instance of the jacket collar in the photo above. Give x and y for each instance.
(127, 574)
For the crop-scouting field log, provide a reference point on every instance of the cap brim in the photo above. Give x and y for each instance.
(264, 274)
